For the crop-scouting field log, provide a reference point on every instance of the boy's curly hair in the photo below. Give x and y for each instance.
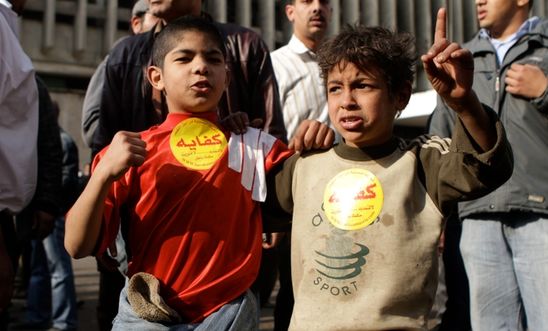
(390, 53)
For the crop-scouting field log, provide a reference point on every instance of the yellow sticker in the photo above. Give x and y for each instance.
(197, 143)
(353, 199)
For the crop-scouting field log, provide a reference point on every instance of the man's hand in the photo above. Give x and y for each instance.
(126, 150)
(449, 67)
(312, 135)
(239, 121)
(526, 80)
(42, 224)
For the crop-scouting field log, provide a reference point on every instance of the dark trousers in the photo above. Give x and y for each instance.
(10, 241)
(457, 308)
(284, 299)
(111, 284)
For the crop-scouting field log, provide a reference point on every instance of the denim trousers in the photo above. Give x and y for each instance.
(241, 314)
(506, 260)
(51, 293)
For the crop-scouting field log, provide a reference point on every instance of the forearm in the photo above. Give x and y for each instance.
(476, 121)
(83, 224)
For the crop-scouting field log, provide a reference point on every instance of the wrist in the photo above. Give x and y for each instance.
(542, 94)
(468, 103)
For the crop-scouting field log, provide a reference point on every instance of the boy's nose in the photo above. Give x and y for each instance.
(200, 67)
(349, 102)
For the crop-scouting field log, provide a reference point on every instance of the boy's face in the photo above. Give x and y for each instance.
(194, 75)
(360, 106)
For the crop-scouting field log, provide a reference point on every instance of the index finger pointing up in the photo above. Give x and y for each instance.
(441, 30)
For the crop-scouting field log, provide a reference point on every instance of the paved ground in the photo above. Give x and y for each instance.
(87, 285)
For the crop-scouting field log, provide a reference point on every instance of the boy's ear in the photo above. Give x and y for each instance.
(154, 76)
(403, 96)
(227, 78)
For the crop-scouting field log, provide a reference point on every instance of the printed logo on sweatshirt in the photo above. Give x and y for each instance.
(353, 199)
(338, 263)
(197, 143)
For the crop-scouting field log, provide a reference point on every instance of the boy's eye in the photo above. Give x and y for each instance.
(215, 60)
(363, 86)
(333, 89)
(184, 59)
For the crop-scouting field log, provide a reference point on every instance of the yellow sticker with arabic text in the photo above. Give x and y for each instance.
(353, 199)
(197, 143)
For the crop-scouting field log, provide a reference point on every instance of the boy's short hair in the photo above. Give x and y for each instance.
(171, 33)
(371, 48)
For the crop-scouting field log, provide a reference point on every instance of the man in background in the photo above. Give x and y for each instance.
(301, 89)
(504, 241)
(141, 21)
(18, 127)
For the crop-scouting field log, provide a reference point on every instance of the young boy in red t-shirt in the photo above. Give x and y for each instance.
(194, 223)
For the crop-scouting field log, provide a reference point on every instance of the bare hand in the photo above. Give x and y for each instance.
(271, 240)
(239, 121)
(449, 67)
(526, 80)
(42, 224)
(312, 135)
(126, 150)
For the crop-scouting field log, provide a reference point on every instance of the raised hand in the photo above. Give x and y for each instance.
(126, 150)
(449, 67)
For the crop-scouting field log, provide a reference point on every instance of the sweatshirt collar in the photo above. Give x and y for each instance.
(366, 153)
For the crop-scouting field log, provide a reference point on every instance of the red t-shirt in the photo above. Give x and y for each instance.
(196, 230)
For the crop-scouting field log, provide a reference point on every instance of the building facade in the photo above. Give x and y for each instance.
(66, 39)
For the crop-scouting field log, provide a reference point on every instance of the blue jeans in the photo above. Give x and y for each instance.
(506, 259)
(51, 292)
(237, 315)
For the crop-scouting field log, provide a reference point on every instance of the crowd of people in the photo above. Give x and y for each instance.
(205, 187)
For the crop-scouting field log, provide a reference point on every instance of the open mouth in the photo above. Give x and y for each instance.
(351, 122)
(202, 86)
